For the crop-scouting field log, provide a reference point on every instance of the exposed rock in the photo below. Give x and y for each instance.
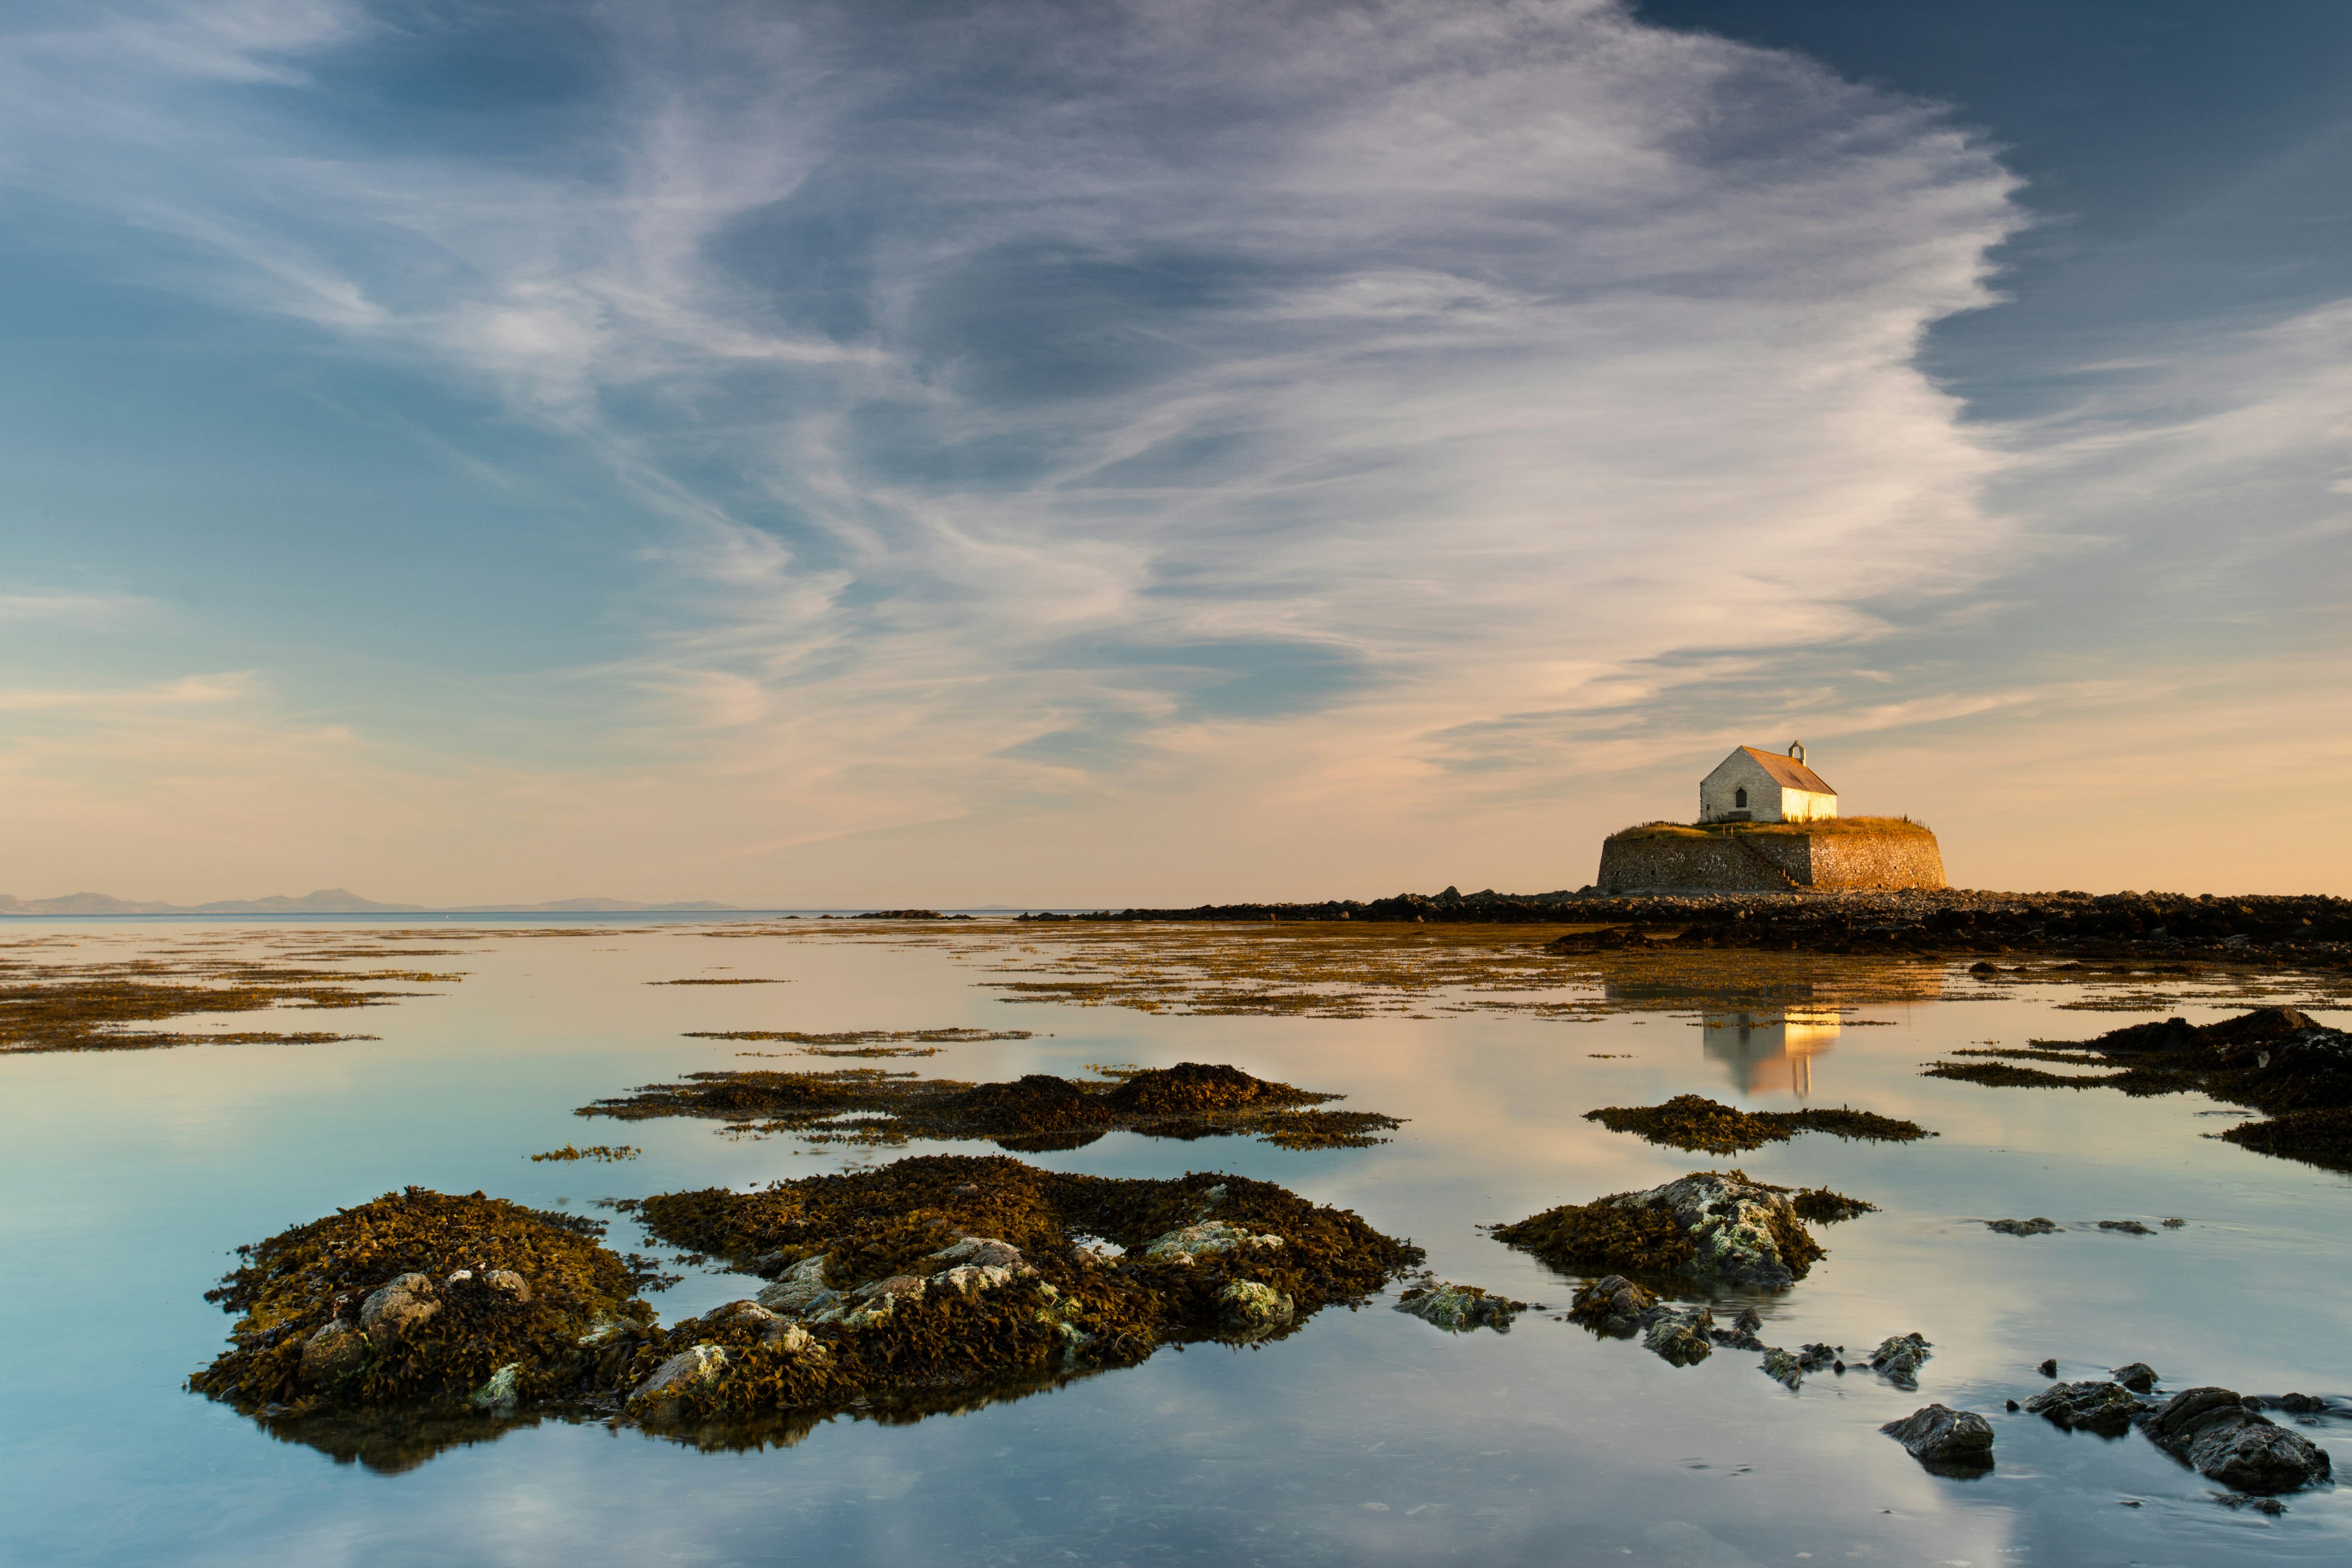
(696, 1364)
(2128, 1226)
(1248, 1305)
(748, 1314)
(1680, 1337)
(398, 1305)
(2138, 1376)
(1741, 1335)
(983, 1252)
(1208, 1237)
(1615, 1306)
(1459, 1308)
(1791, 1366)
(1897, 1359)
(1938, 1436)
(2035, 1227)
(797, 1291)
(2094, 1405)
(2048, 1368)
(336, 1349)
(791, 1338)
(510, 1284)
(1714, 1227)
(871, 1302)
(2212, 1431)
(501, 1390)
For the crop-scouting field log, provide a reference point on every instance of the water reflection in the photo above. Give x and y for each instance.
(391, 1441)
(1768, 1052)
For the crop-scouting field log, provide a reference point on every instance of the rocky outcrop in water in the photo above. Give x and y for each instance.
(1459, 1308)
(2095, 1405)
(2213, 1432)
(1944, 1438)
(1711, 1226)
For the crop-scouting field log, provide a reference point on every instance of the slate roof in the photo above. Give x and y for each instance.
(1790, 773)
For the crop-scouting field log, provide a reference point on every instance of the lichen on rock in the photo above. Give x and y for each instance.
(1458, 1308)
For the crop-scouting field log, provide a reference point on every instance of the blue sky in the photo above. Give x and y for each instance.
(1092, 452)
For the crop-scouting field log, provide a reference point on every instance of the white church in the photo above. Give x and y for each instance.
(1753, 786)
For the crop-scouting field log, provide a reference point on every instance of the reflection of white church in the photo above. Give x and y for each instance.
(1771, 1051)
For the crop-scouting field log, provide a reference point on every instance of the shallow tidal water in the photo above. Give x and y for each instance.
(1367, 1436)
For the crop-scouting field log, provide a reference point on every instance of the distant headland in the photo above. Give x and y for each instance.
(329, 901)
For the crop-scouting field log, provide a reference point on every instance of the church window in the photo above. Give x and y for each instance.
(1739, 799)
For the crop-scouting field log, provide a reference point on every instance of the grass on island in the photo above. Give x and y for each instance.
(1899, 826)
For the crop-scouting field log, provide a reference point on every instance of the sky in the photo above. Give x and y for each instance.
(1076, 452)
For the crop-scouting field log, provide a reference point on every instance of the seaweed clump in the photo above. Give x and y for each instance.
(1037, 1111)
(391, 1330)
(2274, 1059)
(1696, 1122)
(419, 1297)
(1716, 1227)
(948, 1271)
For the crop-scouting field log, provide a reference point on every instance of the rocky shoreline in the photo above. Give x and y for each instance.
(2304, 930)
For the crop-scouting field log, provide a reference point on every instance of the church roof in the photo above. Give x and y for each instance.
(1790, 773)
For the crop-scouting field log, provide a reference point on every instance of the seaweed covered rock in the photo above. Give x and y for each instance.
(1694, 1122)
(418, 1296)
(1714, 1227)
(2095, 1404)
(1944, 1439)
(1030, 1113)
(1898, 1358)
(1681, 1336)
(2214, 1433)
(1459, 1308)
(1615, 1306)
(950, 1271)
(2276, 1060)
(2037, 1225)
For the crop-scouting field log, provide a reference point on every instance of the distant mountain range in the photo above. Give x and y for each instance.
(326, 901)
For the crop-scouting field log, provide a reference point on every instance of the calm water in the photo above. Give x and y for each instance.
(1366, 1437)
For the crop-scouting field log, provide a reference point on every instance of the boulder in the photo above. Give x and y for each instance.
(335, 1349)
(397, 1306)
(1939, 1437)
(1897, 1359)
(1614, 1305)
(2212, 1430)
(2094, 1405)
(510, 1284)
(1741, 1335)
(797, 1291)
(967, 1279)
(1252, 1308)
(689, 1366)
(792, 1339)
(748, 1314)
(2037, 1225)
(1208, 1237)
(983, 1252)
(1459, 1308)
(2138, 1376)
(500, 1392)
(1680, 1337)
(870, 1302)
(1739, 1231)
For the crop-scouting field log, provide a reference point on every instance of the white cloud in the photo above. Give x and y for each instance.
(1260, 404)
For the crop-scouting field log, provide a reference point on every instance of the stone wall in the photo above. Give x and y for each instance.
(1770, 862)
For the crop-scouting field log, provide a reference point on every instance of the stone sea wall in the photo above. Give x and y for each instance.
(1770, 862)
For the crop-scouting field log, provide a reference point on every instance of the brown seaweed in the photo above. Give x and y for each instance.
(1035, 1111)
(387, 1330)
(1694, 1122)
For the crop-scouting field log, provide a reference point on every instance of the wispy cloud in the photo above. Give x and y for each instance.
(1123, 405)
